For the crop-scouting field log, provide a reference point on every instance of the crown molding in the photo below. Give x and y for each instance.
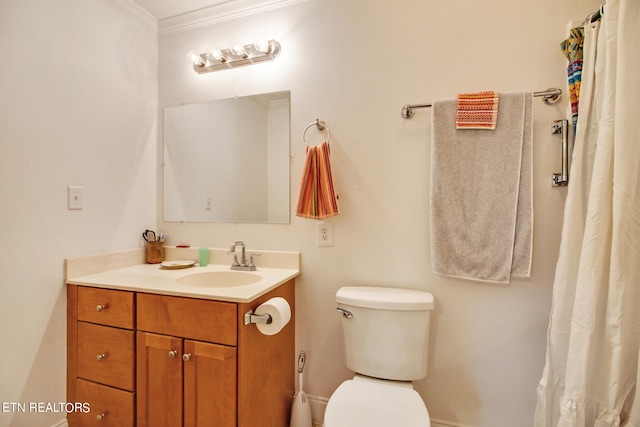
(134, 11)
(220, 12)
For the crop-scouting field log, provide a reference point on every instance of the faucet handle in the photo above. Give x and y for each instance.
(251, 264)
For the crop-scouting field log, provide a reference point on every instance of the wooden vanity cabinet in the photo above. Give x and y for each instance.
(194, 363)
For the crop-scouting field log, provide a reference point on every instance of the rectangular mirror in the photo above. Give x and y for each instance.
(228, 160)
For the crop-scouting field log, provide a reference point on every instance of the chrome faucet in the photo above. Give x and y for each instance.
(243, 259)
(242, 263)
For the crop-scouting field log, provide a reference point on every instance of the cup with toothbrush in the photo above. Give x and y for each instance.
(154, 246)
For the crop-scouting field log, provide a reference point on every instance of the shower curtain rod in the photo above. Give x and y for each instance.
(550, 96)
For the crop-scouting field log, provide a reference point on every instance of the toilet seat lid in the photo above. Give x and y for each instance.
(375, 403)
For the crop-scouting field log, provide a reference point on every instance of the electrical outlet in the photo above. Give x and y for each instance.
(324, 233)
(74, 197)
(208, 202)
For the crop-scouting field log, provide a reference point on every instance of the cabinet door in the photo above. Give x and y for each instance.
(159, 380)
(209, 385)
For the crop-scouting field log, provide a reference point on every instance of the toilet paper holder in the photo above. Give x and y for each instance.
(250, 317)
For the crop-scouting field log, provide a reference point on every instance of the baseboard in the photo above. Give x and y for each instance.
(317, 404)
(441, 423)
(61, 423)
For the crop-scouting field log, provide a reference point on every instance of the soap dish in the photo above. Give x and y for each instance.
(177, 264)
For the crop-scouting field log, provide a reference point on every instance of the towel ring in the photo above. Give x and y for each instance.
(321, 126)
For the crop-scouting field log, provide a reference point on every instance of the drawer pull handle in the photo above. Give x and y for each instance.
(101, 356)
(172, 354)
(101, 307)
(186, 357)
(100, 417)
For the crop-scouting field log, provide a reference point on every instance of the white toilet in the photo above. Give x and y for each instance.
(386, 334)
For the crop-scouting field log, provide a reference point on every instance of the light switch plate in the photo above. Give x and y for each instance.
(74, 197)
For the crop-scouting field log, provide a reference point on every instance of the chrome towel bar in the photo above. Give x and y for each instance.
(549, 96)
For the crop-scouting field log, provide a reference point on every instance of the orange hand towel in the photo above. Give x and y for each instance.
(316, 197)
(477, 110)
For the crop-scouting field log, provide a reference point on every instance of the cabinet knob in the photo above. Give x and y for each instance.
(100, 357)
(172, 354)
(186, 357)
(101, 307)
(100, 417)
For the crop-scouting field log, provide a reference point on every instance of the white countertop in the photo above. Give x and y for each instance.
(152, 278)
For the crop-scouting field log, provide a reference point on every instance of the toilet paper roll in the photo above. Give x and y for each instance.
(280, 312)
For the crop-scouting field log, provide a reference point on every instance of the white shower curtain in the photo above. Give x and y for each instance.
(591, 376)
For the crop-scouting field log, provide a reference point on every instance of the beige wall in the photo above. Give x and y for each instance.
(78, 106)
(354, 64)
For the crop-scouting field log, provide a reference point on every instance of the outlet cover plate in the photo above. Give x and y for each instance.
(324, 233)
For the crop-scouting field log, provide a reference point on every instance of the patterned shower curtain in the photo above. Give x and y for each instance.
(592, 371)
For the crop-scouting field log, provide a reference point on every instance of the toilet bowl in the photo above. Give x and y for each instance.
(372, 402)
(386, 334)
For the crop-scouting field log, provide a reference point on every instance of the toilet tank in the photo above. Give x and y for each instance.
(386, 331)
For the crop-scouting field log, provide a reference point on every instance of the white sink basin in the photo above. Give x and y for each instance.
(219, 279)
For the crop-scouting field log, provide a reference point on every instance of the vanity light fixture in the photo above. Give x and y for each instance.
(236, 56)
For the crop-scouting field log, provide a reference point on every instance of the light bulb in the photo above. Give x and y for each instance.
(195, 58)
(217, 55)
(238, 50)
(263, 46)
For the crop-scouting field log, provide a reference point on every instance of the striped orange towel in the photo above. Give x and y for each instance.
(317, 198)
(477, 110)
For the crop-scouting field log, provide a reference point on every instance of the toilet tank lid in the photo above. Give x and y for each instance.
(385, 298)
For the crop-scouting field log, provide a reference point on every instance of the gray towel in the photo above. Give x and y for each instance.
(481, 193)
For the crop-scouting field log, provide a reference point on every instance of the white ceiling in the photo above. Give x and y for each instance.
(162, 9)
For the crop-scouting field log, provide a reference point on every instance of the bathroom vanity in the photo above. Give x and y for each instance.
(143, 350)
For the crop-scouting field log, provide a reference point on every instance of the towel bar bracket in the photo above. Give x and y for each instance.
(561, 127)
(549, 96)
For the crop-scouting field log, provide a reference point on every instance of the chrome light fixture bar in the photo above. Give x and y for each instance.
(236, 56)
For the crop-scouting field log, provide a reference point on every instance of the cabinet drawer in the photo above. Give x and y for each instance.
(106, 307)
(110, 407)
(204, 320)
(106, 355)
